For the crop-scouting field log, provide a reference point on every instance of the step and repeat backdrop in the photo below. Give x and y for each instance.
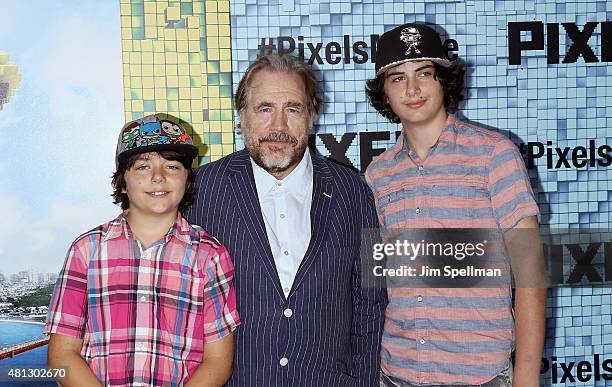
(538, 71)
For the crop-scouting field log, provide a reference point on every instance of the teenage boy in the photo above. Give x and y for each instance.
(146, 299)
(445, 173)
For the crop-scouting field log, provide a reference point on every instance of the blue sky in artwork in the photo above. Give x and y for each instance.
(57, 133)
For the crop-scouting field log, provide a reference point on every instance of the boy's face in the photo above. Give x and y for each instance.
(415, 94)
(154, 185)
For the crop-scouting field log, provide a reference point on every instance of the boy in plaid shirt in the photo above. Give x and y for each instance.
(146, 299)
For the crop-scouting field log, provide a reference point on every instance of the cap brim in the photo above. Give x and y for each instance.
(441, 62)
(185, 149)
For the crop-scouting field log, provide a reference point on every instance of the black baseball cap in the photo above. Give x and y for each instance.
(409, 42)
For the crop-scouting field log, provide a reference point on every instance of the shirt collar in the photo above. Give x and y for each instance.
(447, 137)
(119, 227)
(295, 183)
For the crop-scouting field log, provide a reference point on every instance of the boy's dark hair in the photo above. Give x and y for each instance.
(451, 78)
(119, 185)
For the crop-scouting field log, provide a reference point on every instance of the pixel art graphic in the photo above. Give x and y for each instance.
(177, 59)
(9, 78)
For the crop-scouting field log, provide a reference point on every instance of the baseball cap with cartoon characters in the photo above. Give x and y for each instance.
(409, 42)
(154, 133)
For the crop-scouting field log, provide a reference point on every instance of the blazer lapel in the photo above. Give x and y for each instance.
(245, 194)
(322, 200)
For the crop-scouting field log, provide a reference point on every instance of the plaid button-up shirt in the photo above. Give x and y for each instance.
(144, 313)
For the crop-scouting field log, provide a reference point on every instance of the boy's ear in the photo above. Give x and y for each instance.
(123, 190)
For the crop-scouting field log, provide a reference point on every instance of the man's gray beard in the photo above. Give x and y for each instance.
(272, 164)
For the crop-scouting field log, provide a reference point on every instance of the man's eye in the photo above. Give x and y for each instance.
(173, 167)
(141, 167)
(425, 74)
(295, 110)
(265, 110)
(397, 79)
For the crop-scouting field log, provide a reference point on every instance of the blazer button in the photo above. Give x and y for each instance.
(288, 312)
(283, 361)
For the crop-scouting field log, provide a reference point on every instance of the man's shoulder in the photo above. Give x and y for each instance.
(478, 135)
(221, 165)
(93, 236)
(345, 177)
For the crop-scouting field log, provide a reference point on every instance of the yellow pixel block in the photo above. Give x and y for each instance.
(173, 14)
(181, 34)
(137, 106)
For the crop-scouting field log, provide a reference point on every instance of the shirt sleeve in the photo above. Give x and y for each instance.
(511, 194)
(220, 313)
(68, 308)
(370, 181)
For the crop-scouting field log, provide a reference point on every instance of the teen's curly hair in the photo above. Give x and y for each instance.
(451, 78)
(119, 184)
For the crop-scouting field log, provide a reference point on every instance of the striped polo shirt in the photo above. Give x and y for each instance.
(471, 178)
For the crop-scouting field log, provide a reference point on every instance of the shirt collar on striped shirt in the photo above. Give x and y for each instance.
(447, 137)
(181, 229)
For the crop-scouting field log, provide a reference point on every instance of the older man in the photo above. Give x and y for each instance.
(292, 222)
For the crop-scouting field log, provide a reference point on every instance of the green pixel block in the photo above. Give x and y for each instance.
(225, 91)
(138, 33)
(215, 138)
(149, 105)
(227, 115)
(173, 106)
(213, 79)
(137, 8)
(186, 9)
(136, 94)
(172, 93)
(214, 115)
(225, 79)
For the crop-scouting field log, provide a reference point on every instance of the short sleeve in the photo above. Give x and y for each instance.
(220, 311)
(68, 308)
(370, 182)
(511, 194)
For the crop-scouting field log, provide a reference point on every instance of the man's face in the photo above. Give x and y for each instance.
(276, 122)
(415, 94)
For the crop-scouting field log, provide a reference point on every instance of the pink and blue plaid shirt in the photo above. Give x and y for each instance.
(144, 314)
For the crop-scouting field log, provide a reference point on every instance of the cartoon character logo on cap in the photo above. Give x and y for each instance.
(131, 136)
(175, 132)
(152, 133)
(412, 38)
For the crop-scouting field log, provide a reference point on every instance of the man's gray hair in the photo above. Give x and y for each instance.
(286, 64)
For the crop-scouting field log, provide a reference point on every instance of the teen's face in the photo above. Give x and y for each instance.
(415, 94)
(276, 122)
(154, 185)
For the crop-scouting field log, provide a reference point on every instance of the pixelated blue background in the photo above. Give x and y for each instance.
(567, 104)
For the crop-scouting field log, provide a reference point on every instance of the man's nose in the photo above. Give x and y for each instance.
(279, 121)
(412, 88)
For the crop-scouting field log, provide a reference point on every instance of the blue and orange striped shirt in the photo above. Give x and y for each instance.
(471, 178)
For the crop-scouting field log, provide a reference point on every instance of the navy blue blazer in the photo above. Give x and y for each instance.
(327, 331)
